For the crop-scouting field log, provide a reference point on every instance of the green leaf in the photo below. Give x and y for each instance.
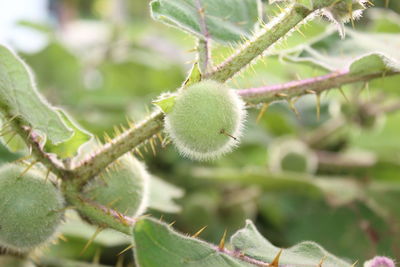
(71, 146)
(162, 195)
(373, 63)
(226, 21)
(363, 53)
(165, 102)
(158, 245)
(249, 241)
(337, 190)
(19, 97)
(194, 76)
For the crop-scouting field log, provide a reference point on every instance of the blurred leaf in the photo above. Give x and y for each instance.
(20, 97)
(158, 245)
(373, 63)
(75, 227)
(337, 190)
(253, 244)
(384, 140)
(57, 262)
(70, 147)
(383, 20)
(162, 195)
(363, 52)
(41, 27)
(226, 21)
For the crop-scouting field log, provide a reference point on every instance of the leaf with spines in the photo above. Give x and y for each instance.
(226, 21)
(253, 244)
(157, 244)
(162, 195)
(19, 97)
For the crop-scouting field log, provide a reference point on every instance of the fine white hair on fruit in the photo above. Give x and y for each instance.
(206, 120)
(123, 187)
(30, 209)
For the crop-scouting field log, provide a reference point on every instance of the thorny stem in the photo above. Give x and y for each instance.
(122, 144)
(96, 213)
(315, 85)
(241, 256)
(32, 141)
(272, 32)
(204, 51)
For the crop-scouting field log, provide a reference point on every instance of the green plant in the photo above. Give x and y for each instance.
(204, 118)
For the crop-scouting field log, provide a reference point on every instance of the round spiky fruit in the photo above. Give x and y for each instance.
(291, 155)
(206, 120)
(123, 187)
(30, 208)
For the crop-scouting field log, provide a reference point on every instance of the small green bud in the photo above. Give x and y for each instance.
(206, 120)
(30, 208)
(123, 187)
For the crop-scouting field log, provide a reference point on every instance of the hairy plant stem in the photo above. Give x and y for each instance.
(33, 143)
(120, 145)
(203, 48)
(95, 213)
(272, 32)
(314, 85)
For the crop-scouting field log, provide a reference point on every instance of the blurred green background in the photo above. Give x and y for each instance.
(105, 61)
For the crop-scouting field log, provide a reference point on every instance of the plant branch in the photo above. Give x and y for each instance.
(96, 213)
(120, 145)
(204, 51)
(272, 32)
(242, 257)
(314, 85)
(32, 141)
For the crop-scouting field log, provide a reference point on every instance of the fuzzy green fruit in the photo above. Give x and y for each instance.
(206, 120)
(123, 187)
(29, 208)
